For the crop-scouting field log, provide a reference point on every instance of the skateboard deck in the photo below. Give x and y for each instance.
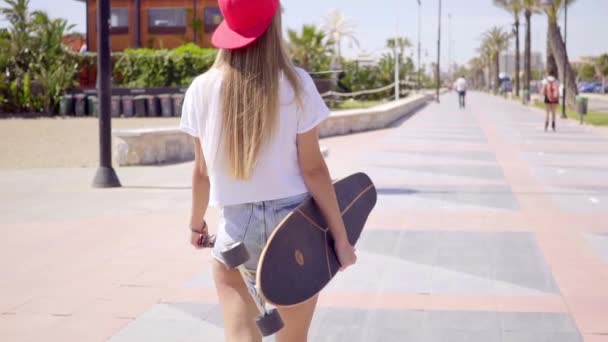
(299, 258)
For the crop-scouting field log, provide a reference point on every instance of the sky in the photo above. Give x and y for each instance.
(377, 20)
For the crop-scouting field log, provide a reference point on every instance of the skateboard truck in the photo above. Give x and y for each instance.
(207, 241)
(269, 322)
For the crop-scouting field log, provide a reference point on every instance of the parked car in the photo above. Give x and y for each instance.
(534, 88)
(590, 87)
(598, 88)
(506, 85)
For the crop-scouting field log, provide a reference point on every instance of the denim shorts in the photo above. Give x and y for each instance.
(252, 224)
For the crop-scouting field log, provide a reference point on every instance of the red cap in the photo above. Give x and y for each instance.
(244, 22)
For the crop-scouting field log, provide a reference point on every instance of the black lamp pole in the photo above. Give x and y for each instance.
(106, 176)
(438, 76)
(137, 23)
(419, 45)
(565, 82)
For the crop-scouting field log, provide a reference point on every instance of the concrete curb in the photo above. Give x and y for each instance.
(382, 116)
(153, 146)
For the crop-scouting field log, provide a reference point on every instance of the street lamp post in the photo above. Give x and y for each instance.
(397, 60)
(564, 116)
(106, 176)
(449, 46)
(419, 44)
(438, 71)
(137, 23)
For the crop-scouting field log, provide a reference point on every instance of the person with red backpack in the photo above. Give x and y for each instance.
(551, 92)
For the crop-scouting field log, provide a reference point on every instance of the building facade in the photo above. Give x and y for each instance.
(155, 23)
(507, 62)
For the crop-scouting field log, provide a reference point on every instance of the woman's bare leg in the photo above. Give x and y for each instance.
(553, 109)
(548, 115)
(238, 309)
(297, 321)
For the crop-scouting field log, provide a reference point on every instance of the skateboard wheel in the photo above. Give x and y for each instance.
(236, 255)
(270, 323)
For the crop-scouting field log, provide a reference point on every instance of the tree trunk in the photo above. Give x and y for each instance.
(486, 78)
(551, 65)
(517, 57)
(528, 53)
(489, 79)
(561, 57)
(496, 72)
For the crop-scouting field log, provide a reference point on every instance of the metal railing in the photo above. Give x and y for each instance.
(365, 92)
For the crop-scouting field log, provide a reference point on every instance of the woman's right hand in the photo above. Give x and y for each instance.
(346, 254)
(197, 239)
(200, 238)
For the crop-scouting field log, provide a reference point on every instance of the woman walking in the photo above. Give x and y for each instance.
(551, 92)
(254, 119)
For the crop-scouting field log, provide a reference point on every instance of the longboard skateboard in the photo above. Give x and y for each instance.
(299, 259)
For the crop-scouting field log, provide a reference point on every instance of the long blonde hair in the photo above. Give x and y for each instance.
(250, 97)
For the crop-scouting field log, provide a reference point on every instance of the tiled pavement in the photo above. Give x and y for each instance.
(487, 229)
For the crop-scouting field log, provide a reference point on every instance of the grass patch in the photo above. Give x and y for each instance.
(592, 118)
(355, 104)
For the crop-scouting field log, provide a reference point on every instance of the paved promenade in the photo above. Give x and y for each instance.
(487, 229)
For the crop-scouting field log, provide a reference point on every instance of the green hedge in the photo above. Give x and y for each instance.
(148, 68)
(143, 68)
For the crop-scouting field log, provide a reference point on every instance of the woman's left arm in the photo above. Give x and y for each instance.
(200, 199)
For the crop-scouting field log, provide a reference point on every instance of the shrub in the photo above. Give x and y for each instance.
(162, 68)
(37, 68)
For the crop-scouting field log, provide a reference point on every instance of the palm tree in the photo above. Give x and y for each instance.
(52, 68)
(385, 70)
(338, 28)
(398, 46)
(601, 68)
(20, 30)
(514, 7)
(17, 14)
(35, 53)
(530, 7)
(399, 43)
(477, 74)
(551, 64)
(495, 41)
(485, 63)
(309, 48)
(558, 49)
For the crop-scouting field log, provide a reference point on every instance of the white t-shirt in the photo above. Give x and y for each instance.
(549, 79)
(277, 173)
(461, 85)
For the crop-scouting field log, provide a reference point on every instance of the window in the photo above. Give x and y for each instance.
(167, 20)
(213, 17)
(119, 21)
